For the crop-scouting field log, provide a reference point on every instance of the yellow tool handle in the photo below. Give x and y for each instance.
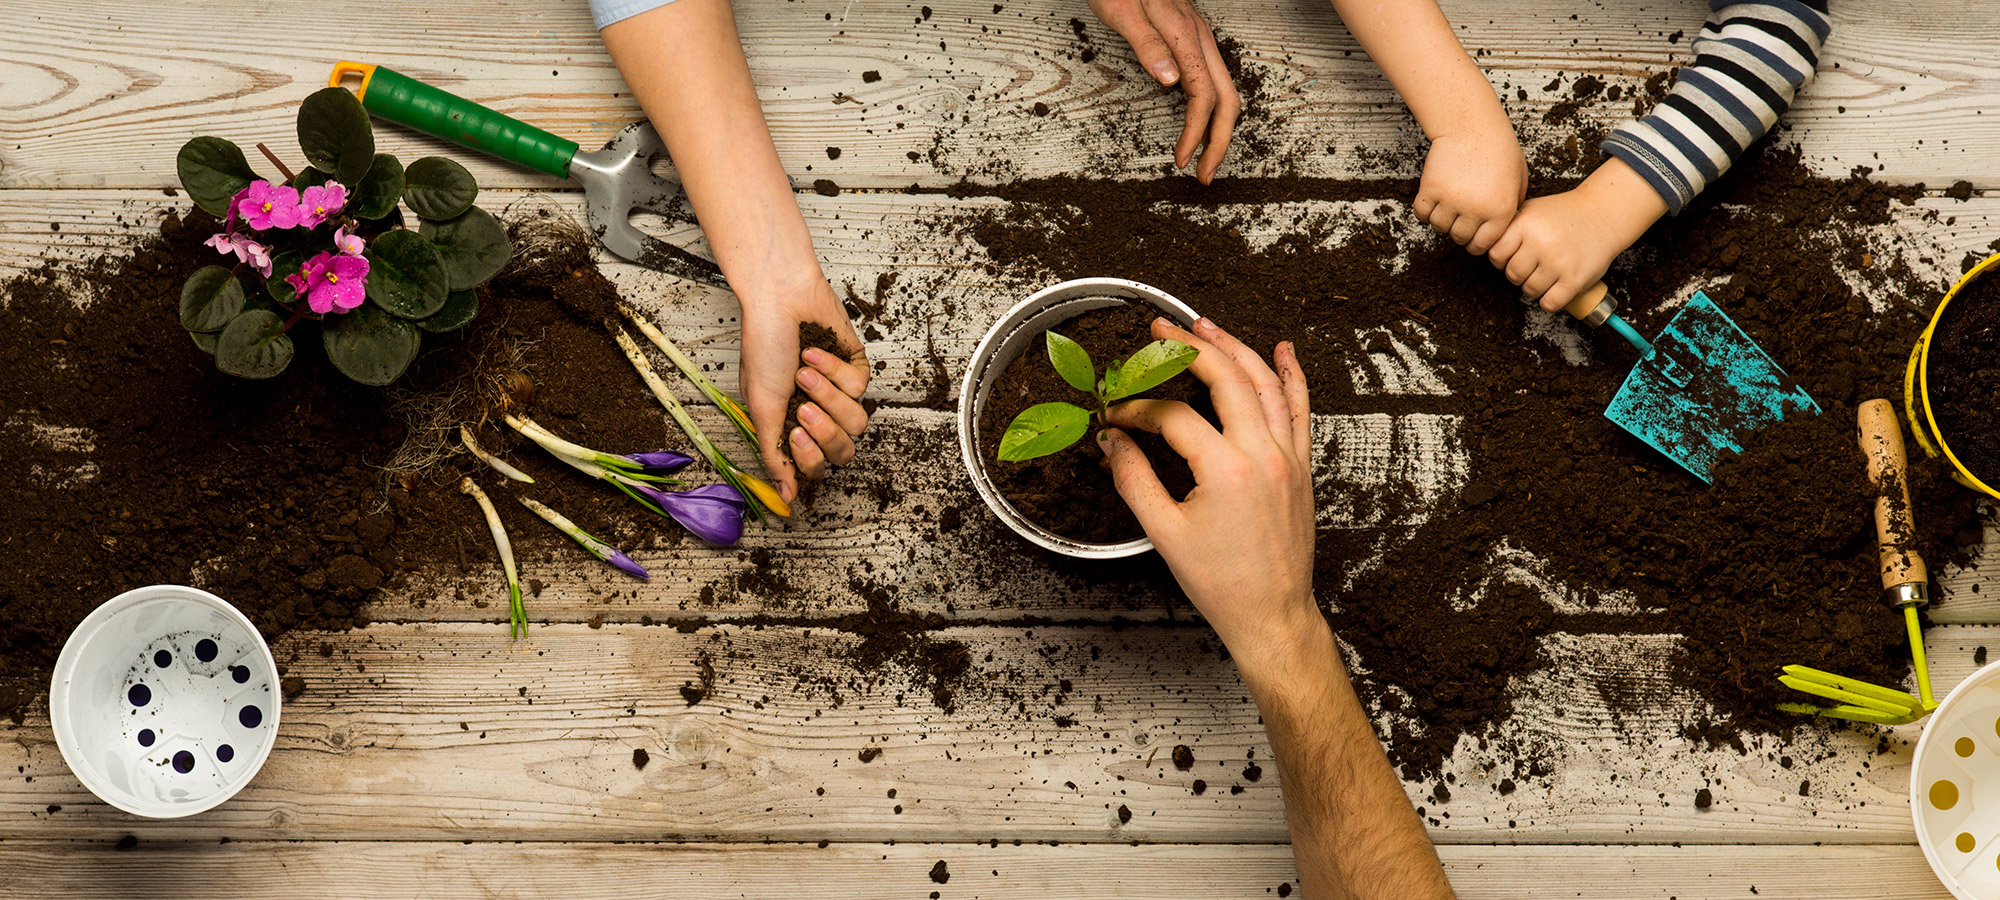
(1895, 529)
(1587, 302)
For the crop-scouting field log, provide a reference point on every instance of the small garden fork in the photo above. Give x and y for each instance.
(1905, 581)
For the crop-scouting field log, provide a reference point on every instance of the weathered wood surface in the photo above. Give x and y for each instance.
(446, 871)
(453, 732)
(101, 94)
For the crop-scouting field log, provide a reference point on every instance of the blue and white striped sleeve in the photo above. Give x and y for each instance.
(1750, 59)
(606, 12)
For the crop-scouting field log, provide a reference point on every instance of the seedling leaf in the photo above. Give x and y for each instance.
(1072, 362)
(212, 170)
(1147, 369)
(1043, 429)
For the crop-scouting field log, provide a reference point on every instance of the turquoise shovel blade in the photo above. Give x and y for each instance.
(1700, 387)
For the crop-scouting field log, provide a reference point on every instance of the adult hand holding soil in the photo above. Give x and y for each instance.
(685, 65)
(829, 422)
(1176, 46)
(1241, 545)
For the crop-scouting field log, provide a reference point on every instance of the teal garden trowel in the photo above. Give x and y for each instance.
(1699, 387)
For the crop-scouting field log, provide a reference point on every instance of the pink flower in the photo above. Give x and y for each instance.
(265, 205)
(347, 243)
(317, 204)
(245, 250)
(332, 282)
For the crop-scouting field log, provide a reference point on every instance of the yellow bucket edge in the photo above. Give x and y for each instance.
(1916, 387)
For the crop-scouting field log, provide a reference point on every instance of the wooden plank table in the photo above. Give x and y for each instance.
(432, 756)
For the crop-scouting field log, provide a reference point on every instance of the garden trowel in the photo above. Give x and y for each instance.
(616, 180)
(1699, 387)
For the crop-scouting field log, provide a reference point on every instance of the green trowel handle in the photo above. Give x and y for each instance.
(407, 101)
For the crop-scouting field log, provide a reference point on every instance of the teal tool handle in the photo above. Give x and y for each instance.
(438, 113)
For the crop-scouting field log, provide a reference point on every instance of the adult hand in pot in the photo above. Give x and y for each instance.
(1242, 546)
(1176, 46)
(1242, 543)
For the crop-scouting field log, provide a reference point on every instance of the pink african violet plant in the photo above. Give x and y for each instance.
(332, 282)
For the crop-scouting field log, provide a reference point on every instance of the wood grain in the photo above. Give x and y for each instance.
(449, 870)
(453, 732)
(103, 94)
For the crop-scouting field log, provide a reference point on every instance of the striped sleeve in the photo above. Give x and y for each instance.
(1749, 60)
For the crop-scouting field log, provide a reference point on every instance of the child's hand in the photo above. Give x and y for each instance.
(1176, 46)
(1474, 179)
(1562, 243)
(771, 370)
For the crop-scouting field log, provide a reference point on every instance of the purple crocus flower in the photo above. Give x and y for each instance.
(661, 462)
(713, 512)
(617, 558)
(265, 205)
(321, 202)
(332, 282)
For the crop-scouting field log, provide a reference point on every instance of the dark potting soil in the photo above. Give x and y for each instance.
(812, 336)
(1070, 492)
(1774, 565)
(1965, 377)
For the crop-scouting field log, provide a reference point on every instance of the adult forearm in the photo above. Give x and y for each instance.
(1354, 833)
(1413, 45)
(686, 67)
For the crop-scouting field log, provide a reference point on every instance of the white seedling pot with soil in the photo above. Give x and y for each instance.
(165, 701)
(1020, 331)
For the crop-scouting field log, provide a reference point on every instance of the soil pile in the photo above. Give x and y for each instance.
(1965, 377)
(1773, 565)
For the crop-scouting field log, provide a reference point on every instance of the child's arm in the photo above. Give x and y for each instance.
(1750, 60)
(1474, 176)
(686, 67)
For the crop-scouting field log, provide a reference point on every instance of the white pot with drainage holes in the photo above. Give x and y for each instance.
(165, 701)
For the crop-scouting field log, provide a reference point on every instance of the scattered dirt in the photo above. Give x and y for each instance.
(1070, 492)
(1965, 377)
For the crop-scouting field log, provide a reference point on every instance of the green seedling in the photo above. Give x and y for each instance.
(1045, 428)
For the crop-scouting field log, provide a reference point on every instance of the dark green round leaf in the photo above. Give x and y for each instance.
(212, 170)
(379, 190)
(1043, 429)
(206, 340)
(458, 310)
(438, 188)
(369, 345)
(210, 299)
(310, 177)
(283, 264)
(474, 247)
(254, 345)
(1072, 362)
(406, 274)
(335, 134)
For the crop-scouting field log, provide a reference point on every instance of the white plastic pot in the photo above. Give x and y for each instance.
(1955, 788)
(165, 701)
(1018, 331)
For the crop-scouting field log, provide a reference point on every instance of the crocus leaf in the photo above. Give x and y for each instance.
(406, 275)
(335, 134)
(212, 170)
(474, 247)
(206, 340)
(1072, 362)
(438, 188)
(254, 345)
(310, 177)
(459, 309)
(210, 299)
(1154, 363)
(369, 345)
(1043, 429)
(376, 195)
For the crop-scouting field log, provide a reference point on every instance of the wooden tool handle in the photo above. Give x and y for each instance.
(1589, 306)
(1895, 529)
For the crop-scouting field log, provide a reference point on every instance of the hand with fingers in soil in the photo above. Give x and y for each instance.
(1176, 46)
(686, 67)
(1474, 175)
(1750, 59)
(1241, 546)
